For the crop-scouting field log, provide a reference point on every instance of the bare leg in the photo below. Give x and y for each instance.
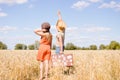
(51, 64)
(41, 70)
(46, 68)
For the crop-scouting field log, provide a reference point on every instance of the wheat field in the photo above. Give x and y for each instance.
(87, 65)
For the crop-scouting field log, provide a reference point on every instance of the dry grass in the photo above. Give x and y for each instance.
(88, 65)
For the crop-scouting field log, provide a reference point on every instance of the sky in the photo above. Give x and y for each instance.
(88, 21)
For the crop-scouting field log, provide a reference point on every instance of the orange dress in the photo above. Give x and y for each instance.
(44, 52)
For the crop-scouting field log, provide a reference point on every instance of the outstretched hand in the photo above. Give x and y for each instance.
(59, 15)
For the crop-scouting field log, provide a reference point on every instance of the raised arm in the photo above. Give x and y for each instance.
(59, 15)
(39, 32)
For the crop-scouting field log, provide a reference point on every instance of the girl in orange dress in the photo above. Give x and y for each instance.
(44, 52)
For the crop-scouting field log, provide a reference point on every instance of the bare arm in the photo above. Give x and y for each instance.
(39, 32)
(59, 15)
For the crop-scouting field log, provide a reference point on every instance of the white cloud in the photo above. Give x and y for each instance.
(2, 14)
(80, 5)
(96, 29)
(112, 4)
(83, 36)
(21, 1)
(87, 28)
(94, 1)
(84, 4)
(70, 29)
(5, 29)
(13, 1)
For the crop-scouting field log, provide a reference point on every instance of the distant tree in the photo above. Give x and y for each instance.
(54, 47)
(102, 47)
(31, 47)
(70, 46)
(20, 47)
(118, 47)
(36, 45)
(3, 46)
(79, 48)
(93, 47)
(114, 45)
(85, 48)
(107, 47)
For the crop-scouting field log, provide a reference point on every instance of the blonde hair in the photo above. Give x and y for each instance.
(61, 26)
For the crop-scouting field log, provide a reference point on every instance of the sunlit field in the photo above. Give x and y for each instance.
(88, 65)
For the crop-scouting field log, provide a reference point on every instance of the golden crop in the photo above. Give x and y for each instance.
(88, 65)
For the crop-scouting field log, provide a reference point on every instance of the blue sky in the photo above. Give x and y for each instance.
(88, 21)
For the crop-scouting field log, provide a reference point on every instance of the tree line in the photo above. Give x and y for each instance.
(113, 45)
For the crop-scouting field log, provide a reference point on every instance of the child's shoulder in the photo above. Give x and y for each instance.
(48, 34)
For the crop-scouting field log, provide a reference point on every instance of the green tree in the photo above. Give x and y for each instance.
(3, 46)
(107, 47)
(114, 45)
(102, 47)
(36, 45)
(70, 46)
(20, 47)
(93, 47)
(85, 48)
(31, 47)
(79, 48)
(118, 47)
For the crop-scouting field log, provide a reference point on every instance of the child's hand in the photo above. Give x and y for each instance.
(43, 30)
(59, 13)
